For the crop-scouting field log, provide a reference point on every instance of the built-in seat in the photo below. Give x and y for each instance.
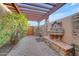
(61, 47)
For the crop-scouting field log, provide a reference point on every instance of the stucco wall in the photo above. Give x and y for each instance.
(3, 9)
(67, 25)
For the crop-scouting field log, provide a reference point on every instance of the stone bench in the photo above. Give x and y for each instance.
(61, 47)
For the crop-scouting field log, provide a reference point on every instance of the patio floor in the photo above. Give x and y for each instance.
(28, 46)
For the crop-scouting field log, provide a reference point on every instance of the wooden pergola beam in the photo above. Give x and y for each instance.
(35, 17)
(51, 4)
(35, 5)
(24, 9)
(14, 5)
(10, 7)
(33, 8)
(32, 13)
(56, 7)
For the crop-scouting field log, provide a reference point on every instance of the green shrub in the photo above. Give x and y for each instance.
(11, 22)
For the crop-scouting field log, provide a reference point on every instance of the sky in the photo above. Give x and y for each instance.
(66, 10)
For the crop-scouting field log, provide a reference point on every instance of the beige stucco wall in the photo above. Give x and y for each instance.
(3, 9)
(67, 25)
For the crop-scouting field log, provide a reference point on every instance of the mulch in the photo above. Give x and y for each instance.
(4, 50)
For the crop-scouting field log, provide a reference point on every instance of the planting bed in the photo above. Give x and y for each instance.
(4, 50)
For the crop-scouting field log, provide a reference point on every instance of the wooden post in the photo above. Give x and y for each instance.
(38, 25)
(38, 28)
(46, 25)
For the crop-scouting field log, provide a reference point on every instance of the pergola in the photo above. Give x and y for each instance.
(35, 11)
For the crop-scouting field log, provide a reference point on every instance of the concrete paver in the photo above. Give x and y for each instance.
(28, 46)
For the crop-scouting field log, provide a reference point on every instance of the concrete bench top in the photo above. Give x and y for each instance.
(59, 43)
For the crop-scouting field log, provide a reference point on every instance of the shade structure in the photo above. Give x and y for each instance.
(35, 11)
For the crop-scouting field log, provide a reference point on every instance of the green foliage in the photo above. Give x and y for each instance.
(10, 23)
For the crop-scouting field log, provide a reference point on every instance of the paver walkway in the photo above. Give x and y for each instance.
(28, 46)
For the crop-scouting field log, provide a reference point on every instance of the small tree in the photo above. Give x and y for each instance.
(11, 23)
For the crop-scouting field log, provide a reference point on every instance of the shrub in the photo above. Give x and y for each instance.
(11, 22)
